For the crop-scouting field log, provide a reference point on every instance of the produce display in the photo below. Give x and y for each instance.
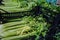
(29, 20)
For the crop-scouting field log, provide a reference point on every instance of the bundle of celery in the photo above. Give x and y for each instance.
(25, 28)
(17, 5)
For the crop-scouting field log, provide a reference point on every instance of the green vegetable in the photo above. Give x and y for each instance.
(26, 27)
